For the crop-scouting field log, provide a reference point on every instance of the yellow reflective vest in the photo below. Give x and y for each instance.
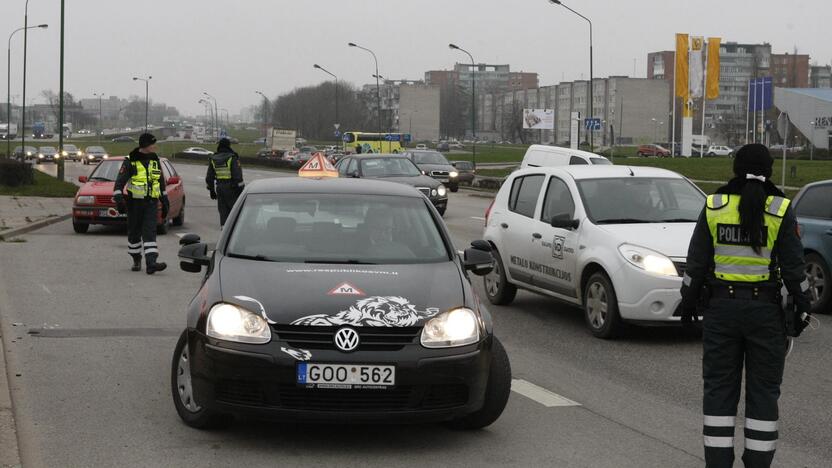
(734, 258)
(222, 172)
(143, 178)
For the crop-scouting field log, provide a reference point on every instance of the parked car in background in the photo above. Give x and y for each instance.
(813, 208)
(72, 153)
(466, 171)
(196, 150)
(123, 139)
(30, 152)
(717, 150)
(47, 154)
(433, 164)
(421, 146)
(653, 150)
(443, 146)
(266, 153)
(95, 154)
(260, 141)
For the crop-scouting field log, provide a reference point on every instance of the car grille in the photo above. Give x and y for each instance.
(439, 173)
(681, 267)
(294, 397)
(371, 338)
(104, 200)
(425, 191)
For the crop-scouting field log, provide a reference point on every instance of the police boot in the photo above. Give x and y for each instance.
(137, 263)
(153, 266)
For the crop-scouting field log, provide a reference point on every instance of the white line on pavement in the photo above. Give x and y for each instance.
(478, 218)
(540, 394)
(46, 289)
(180, 234)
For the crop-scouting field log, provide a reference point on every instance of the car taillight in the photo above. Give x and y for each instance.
(488, 212)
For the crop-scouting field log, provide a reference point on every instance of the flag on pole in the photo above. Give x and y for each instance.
(681, 72)
(696, 70)
(712, 77)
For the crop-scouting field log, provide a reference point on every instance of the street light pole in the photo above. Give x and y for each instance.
(216, 113)
(23, 108)
(61, 161)
(9, 87)
(99, 95)
(590, 104)
(337, 122)
(473, 103)
(146, 97)
(378, 86)
(266, 111)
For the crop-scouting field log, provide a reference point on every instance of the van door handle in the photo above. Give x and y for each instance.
(504, 225)
(537, 235)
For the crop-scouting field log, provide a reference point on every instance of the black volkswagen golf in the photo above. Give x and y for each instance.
(337, 300)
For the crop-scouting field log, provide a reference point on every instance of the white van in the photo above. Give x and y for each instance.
(550, 156)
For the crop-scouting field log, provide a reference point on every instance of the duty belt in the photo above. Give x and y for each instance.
(745, 292)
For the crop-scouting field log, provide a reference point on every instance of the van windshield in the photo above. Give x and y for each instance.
(641, 200)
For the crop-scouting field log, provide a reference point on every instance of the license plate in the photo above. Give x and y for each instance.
(345, 376)
(109, 213)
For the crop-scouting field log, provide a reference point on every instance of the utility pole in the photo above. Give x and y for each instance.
(146, 97)
(378, 86)
(61, 161)
(9, 90)
(473, 103)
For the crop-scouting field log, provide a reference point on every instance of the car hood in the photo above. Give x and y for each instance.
(414, 181)
(670, 239)
(436, 167)
(325, 294)
(97, 187)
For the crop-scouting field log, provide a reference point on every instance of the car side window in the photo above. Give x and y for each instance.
(815, 202)
(342, 166)
(165, 171)
(558, 202)
(575, 161)
(353, 166)
(171, 170)
(524, 194)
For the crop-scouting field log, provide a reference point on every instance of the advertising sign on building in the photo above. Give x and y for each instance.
(538, 119)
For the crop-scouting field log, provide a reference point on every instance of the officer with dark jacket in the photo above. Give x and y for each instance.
(141, 172)
(744, 248)
(224, 178)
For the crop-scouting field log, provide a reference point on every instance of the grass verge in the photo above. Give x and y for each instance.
(44, 186)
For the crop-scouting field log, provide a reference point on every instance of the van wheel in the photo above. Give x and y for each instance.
(820, 283)
(497, 287)
(601, 307)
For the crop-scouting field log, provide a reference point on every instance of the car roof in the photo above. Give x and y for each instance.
(121, 158)
(583, 172)
(561, 149)
(378, 155)
(332, 185)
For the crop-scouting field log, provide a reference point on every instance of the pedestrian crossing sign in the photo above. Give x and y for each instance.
(318, 166)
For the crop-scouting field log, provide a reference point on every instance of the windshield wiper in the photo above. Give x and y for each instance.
(623, 221)
(259, 258)
(341, 262)
(677, 220)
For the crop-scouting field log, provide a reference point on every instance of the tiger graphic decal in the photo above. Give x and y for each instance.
(376, 311)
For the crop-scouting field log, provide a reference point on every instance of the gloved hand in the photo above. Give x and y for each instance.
(121, 203)
(165, 206)
(802, 316)
(213, 194)
(690, 316)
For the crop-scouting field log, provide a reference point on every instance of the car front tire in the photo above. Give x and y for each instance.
(184, 398)
(180, 219)
(453, 188)
(497, 391)
(820, 283)
(80, 228)
(497, 287)
(601, 307)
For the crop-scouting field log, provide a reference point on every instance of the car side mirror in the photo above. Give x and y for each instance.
(477, 259)
(83, 179)
(194, 257)
(189, 239)
(565, 223)
(173, 180)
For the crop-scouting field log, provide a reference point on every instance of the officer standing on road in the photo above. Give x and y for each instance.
(224, 178)
(142, 174)
(744, 247)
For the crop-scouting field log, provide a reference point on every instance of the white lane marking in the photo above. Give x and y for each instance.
(180, 234)
(540, 394)
(46, 289)
(478, 218)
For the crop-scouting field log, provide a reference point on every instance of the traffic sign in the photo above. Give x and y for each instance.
(337, 133)
(337, 126)
(592, 123)
(318, 166)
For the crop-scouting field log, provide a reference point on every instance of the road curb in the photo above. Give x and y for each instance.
(9, 449)
(11, 233)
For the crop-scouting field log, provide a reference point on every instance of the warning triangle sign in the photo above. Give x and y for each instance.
(346, 289)
(318, 166)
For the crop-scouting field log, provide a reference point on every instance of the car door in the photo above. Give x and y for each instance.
(814, 213)
(517, 225)
(554, 249)
(175, 191)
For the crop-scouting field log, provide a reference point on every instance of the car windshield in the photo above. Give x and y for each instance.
(95, 149)
(337, 228)
(429, 157)
(641, 200)
(388, 167)
(70, 148)
(47, 149)
(107, 170)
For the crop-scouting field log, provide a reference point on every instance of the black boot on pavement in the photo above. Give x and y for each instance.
(137, 263)
(153, 268)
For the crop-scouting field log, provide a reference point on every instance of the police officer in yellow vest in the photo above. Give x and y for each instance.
(744, 248)
(224, 178)
(141, 173)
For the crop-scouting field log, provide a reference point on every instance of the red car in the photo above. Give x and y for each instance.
(94, 201)
(653, 150)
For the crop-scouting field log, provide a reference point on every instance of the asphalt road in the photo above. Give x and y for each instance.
(91, 386)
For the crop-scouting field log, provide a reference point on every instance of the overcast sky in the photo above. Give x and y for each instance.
(232, 48)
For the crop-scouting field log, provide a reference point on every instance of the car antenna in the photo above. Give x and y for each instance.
(632, 174)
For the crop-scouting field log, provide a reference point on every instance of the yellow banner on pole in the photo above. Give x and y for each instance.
(712, 77)
(681, 70)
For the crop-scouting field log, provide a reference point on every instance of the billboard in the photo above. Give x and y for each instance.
(538, 119)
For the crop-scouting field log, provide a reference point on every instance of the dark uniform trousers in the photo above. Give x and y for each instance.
(227, 193)
(735, 331)
(142, 215)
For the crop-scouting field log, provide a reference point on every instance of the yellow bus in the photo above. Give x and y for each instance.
(362, 142)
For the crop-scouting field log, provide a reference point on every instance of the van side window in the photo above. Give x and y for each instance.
(558, 202)
(575, 161)
(524, 193)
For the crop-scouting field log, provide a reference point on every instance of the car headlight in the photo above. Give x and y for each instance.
(106, 156)
(90, 156)
(85, 200)
(648, 260)
(453, 174)
(40, 156)
(441, 191)
(64, 153)
(457, 327)
(231, 323)
(80, 153)
(28, 153)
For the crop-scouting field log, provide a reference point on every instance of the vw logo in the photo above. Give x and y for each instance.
(346, 339)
